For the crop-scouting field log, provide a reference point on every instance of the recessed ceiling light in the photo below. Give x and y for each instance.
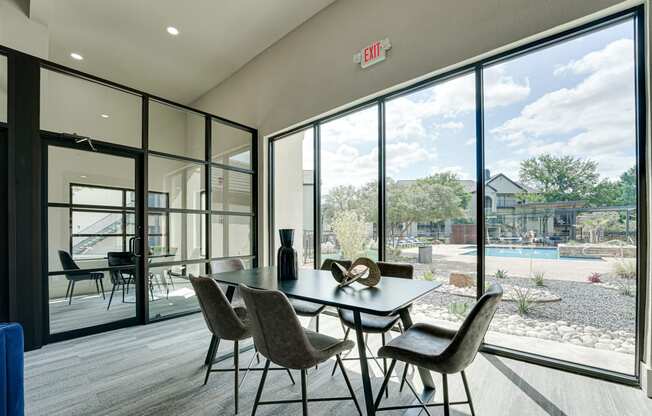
(83, 176)
(76, 56)
(172, 30)
(104, 115)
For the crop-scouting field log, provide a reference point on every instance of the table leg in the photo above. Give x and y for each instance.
(426, 377)
(364, 368)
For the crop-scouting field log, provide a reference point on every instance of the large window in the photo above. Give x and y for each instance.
(102, 220)
(531, 159)
(349, 201)
(3, 89)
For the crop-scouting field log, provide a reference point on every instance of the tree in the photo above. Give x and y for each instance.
(351, 233)
(559, 178)
(627, 186)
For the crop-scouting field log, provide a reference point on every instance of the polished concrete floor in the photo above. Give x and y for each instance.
(158, 370)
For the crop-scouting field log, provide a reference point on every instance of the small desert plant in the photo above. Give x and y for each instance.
(428, 275)
(626, 289)
(625, 269)
(538, 278)
(595, 277)
(524, 300)
(500, 274)
(459, 309)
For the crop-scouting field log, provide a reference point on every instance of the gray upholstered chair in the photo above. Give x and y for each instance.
(442, 350)
(311, 309)
(281, 339)
(224, 322)
(372, 324)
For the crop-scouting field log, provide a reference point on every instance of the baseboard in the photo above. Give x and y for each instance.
(646, 379)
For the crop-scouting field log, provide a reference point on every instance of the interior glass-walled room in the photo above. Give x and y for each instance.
(138, 194)
(525, 169)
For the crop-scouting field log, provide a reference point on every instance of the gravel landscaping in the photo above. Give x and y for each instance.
(596, 315)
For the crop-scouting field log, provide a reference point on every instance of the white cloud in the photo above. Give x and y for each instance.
(501, 90)
(470, 142)
(452, 125)
(597, 115)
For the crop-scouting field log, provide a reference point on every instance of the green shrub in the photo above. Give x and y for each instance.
(625, 269)
(626, 289)
(500, 274)
(428, 275)
(524, 301)
(538, 278)
(459, 309)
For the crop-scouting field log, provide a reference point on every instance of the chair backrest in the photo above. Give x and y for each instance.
(228, 265)
(277, 332)
(66, 261)
(326, 265)
(116, 259)
(218, 313)
(402, 270)
(464, 347)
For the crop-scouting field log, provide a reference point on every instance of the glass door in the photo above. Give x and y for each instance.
(93, 243)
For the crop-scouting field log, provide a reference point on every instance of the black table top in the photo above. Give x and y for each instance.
(388, 297)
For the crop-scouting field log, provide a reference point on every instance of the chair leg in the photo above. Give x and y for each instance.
(123, 291)
(102, 287)
(348, 383)
(97, 287)
(209, 354)
(385, 364)
(346, 336)
(68, 288)
(405, 371)
(210, 364)
(447, 410)
(111, 297)
(236, 373)
(317, 323)
(72, 291)
(384, 385)
(259, 393)
(304, 394)
(468, 393)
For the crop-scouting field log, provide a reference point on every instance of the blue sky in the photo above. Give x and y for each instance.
(576, 98)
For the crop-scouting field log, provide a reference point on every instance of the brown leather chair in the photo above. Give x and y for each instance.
(281, 339)
(442, 350)
(224, 322)
(372, 324)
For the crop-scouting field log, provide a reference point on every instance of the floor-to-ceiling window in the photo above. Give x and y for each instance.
(531, 159)
(430, 217)
(348, 185)
(561, 232)
(294, 192)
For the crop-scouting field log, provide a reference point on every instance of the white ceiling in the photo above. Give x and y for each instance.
(126, 40)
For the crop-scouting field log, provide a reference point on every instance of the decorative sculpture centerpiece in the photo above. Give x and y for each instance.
(364, 271)
(286, 260)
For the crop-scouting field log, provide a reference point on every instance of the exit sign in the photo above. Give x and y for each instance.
(372, 54)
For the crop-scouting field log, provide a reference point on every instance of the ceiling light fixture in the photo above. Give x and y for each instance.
(104, 115)
(76, 56)
(172, 30)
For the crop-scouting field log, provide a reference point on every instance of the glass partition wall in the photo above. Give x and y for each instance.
(523, 169)
(142, 193)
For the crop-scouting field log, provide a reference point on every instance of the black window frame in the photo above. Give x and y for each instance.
(124, 210)
(637, 16)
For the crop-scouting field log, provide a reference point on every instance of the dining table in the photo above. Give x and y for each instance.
(391, 296)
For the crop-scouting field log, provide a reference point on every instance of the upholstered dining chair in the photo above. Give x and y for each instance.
(442, 350)
(372, 324)
(311, 309)
(281, 339)
(69, 264)
(225, 322)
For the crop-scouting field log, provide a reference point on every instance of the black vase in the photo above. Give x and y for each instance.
(286, 260)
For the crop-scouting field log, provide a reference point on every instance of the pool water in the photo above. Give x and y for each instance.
(524, 253)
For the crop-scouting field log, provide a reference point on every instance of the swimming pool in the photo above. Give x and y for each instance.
(548, 253)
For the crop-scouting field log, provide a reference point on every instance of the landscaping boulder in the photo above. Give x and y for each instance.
(461, 280)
